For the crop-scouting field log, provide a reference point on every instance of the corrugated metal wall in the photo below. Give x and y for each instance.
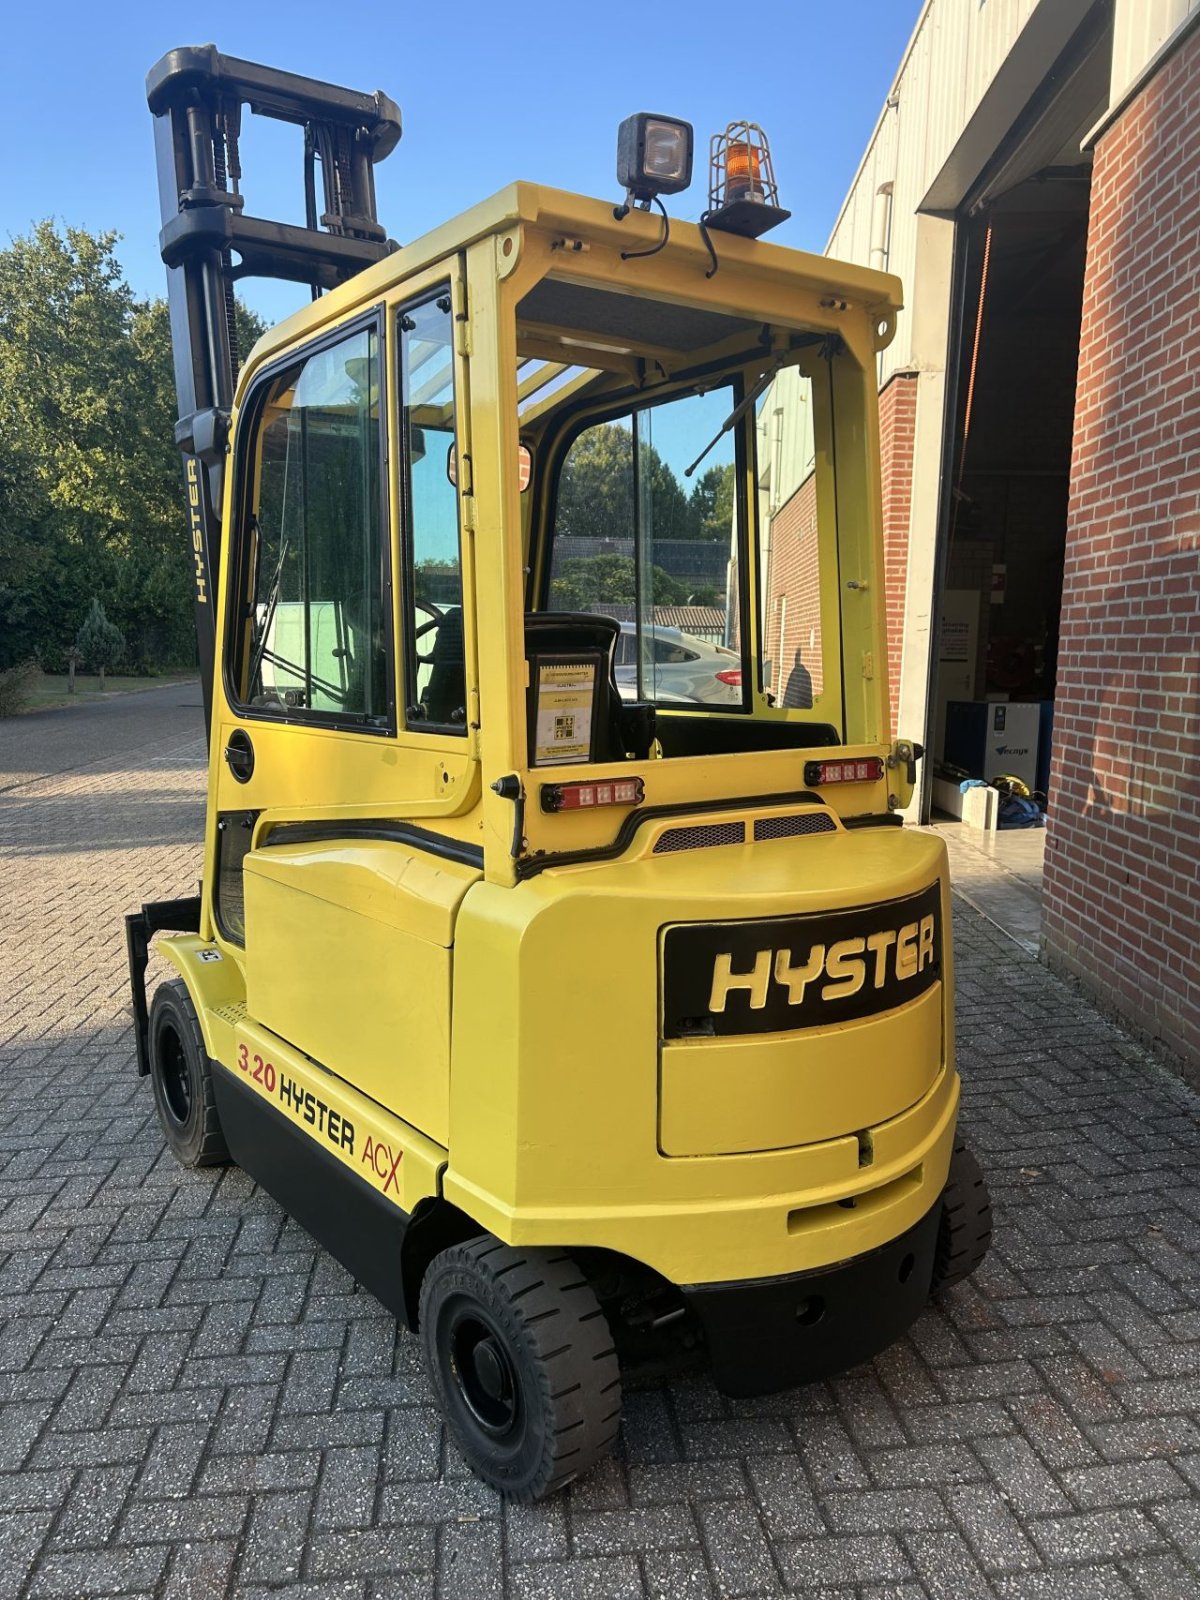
(955, 53)
(785, 438)
(1139, 28)
(956, 50)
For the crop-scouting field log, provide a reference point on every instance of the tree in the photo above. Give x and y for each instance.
(99, 641)
(596, 490)
(589, 583)
(25, 581)
(666, 590)
(62, 319)
(712, 503)
(671, 512)
(91, 494)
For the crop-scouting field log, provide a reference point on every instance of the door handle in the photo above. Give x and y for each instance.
(239, 755)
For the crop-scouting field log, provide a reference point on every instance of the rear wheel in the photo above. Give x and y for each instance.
(965, 1227)
(521, 1359)
(181, 1075)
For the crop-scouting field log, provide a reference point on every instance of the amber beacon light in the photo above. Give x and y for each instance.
(742, 194)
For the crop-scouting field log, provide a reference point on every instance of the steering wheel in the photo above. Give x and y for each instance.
(436, 617)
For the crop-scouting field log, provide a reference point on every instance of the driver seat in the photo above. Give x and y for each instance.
(444, 697)
(618, 729)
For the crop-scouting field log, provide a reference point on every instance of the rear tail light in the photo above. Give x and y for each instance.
(586, 796)
(733, 677)
(863, 769)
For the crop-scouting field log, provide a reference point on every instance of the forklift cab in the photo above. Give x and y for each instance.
(361, 549)
(572, 1013)
(443, 500)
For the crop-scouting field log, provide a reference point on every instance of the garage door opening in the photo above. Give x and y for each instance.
(1009, 471)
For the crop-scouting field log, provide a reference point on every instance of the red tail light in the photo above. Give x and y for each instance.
(733, 677)
(868, 769)
(585, 796)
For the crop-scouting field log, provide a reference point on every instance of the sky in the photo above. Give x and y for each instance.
(489, 93)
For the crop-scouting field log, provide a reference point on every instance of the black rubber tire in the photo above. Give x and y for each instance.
(528, 1323)
(965, 1226)
(181, 1076)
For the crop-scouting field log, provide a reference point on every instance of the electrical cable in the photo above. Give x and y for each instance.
(708, 244)
(637, 255)
(962, 457)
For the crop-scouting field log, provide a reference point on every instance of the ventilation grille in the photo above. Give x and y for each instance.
(701, 837)
(792, 827)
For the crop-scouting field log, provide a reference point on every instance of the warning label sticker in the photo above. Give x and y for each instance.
(566, 694)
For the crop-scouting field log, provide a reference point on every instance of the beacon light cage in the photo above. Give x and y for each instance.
(742, 193)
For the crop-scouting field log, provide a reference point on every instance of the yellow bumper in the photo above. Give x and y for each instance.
(835, 1211)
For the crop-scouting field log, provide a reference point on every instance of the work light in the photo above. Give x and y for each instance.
(654, 156)
(742, 196)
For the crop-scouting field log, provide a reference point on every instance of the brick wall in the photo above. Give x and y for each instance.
(793, 590)
(793, 576)
(897, 429)
(1122, 888)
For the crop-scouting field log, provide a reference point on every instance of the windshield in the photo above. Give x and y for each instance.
(639, 540)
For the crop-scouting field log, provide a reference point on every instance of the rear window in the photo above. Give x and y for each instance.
(644, 534)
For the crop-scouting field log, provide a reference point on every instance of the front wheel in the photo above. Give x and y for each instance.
(181, 1075)
(522, 1361)
(965, 1225)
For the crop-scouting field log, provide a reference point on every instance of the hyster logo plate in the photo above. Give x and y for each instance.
(800, 972)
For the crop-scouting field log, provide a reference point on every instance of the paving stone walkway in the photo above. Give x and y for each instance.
(198, 1402)
(1000, 875)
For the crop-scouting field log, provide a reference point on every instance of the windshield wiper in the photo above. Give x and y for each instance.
(738, 412)
(260, 644)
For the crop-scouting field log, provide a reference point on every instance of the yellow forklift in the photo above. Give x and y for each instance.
(560, 961)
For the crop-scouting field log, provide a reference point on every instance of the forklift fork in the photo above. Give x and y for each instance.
(157, 916)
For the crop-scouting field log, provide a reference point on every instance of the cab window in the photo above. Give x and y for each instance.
(312, 638)
(435, 677)
(646, 532)
(797, 553)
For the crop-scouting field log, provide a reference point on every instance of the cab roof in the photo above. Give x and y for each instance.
(532, 205)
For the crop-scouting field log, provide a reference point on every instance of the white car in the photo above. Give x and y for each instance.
(678, 667)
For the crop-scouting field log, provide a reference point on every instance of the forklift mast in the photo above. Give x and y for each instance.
(208, 242)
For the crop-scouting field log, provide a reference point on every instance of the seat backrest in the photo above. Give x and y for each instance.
(563, 635)
(617, 729)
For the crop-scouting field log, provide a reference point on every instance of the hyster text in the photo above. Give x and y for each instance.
(310, 1108)
(845, 967)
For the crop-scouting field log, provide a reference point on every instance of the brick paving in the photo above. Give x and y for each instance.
(71, 737)
(197, 1402)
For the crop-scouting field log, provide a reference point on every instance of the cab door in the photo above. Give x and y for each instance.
(337, 839)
